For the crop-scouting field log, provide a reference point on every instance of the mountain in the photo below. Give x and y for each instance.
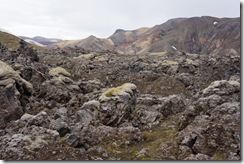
(11, 41)
(90, 43)
(143, 38)
(194, 35)
(199, 35)
(34, 42)
(124, 37)
(41, 40)
(75, 104)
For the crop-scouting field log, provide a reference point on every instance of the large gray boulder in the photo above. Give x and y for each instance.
(12, 87)
(116, 104)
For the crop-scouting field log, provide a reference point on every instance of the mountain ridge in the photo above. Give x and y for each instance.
(42, 40)
(199, 35)
(204, 34)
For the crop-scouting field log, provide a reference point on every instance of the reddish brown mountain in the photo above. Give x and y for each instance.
(199, 35)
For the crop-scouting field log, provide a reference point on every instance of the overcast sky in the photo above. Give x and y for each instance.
(76, 19)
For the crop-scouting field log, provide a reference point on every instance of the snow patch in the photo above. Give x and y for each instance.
(214, 23)
(174, 48)
(34, 42)
(53, 40)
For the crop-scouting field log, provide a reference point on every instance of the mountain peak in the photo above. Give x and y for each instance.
(119, 30)
(91, 37)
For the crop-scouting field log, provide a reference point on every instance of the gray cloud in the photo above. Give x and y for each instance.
(75, 19)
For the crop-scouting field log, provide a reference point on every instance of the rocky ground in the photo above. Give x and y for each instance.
(72, 104)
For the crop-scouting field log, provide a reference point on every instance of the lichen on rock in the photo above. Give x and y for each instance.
(59, 71)
(8, 77)
(125, 89)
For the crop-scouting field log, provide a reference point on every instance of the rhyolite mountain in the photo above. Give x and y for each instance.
(90, 43)
(194, 35)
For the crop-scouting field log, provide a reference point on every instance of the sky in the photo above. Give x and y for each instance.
(78, 19)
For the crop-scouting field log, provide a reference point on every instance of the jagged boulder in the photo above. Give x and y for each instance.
(172, 105)
(215, 132)
(169, 67)
(8, 77)
(113, 107)
(90, 86)
(27, 135)
(10, 108)
(222, 88)
(60, 75)
(88, 114)
(99, 119)
(12, 88)
(30, 141)
(60, 87)
(186, 78)
(145, 117)
(117, 104)
(217, 93)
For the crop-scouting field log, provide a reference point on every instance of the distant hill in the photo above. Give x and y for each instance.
(90, 43)
(41, 40)
(11, 41)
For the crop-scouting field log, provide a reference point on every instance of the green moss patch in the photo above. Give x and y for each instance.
(218, 156)
(154, 142)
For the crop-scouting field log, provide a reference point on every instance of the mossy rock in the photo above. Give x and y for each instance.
(101, 59)
(218, 156)
(191, 62)
(169, 63)
(59, 71)
(85, 56)
(9, 76)
(124, 89)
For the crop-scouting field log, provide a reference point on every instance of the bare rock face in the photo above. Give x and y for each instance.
(216, 131)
